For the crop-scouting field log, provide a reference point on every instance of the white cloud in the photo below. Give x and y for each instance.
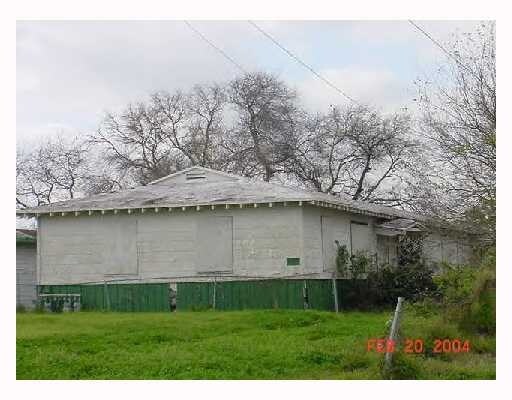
(69, 73)
(380, 88)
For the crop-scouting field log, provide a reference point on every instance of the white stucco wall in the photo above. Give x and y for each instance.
(321, 228)
(176, 246)
(164, 245)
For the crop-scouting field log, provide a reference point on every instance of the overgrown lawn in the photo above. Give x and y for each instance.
(227, 345)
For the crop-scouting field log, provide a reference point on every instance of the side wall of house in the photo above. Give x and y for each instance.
(253, 242)
(323, 226)
(440, 248)
(26, 294)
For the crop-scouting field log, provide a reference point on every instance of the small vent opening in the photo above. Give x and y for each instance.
(191, 176)
(292, 261)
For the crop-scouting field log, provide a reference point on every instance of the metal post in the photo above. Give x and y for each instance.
(393, 334)
(305, 295)
(107, 298)
(214, 292)
(335, 292)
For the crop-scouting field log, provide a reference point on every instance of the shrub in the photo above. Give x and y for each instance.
(20, 308)
(427, 307)
(413, 282)
(455, 283)
(410, 250)
(342, 257)
(356, 263)
(480, 316)
(468, 295)
(359, 263)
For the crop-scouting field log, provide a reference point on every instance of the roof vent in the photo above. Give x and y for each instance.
(190, 176)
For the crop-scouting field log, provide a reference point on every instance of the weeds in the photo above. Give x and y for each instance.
(228, 345)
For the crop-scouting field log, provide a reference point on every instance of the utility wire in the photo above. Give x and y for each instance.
(433, 41)
(443, 49)
(222, 52)
(308, 67)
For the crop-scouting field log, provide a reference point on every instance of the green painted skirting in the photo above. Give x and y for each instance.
(227, 295)
(257, 294)
(117, 297)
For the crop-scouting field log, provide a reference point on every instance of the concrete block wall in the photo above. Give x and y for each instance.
(97, 247)
(321, 227)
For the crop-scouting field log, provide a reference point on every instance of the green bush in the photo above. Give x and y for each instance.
(20, 308)
(480, 316)
(413, 282)
(468, 295)
(427, 307)
(410, 250)
(359, 263)
(342, 258)
(455, 283)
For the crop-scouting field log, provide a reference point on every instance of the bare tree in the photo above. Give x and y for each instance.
(54, 170)
(355, 151)
(167, 133)
(145, 140)
(265, 135)
(459, 122)
(206, 127)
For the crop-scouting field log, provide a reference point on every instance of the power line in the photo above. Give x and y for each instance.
(433, 41)
(296, 58)
(222, 52)
(443, 49)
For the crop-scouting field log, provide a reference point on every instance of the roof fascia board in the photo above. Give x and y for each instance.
(299, 202)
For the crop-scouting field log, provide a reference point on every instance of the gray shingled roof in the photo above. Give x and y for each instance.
(237, 190)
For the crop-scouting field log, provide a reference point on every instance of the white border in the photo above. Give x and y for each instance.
(262, 9)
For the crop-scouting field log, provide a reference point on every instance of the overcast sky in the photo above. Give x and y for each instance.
(70, 73)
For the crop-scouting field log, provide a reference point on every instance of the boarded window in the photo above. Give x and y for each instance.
(360, 237)
(214, 244)
(387, 249)
(120, 245)
(333, 228)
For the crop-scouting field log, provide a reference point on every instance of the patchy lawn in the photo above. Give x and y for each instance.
(229, 345)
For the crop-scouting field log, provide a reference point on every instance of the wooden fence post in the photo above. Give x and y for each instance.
(393, 333)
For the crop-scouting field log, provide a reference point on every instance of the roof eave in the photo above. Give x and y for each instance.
(34, 212)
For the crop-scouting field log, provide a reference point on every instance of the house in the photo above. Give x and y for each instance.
(200, 224)
(26, 283)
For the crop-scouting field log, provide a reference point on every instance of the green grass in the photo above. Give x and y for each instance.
(225, 345)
